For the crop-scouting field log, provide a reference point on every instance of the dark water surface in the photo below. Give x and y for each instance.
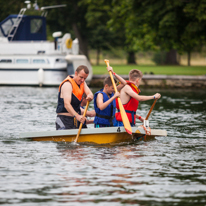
(168, 171)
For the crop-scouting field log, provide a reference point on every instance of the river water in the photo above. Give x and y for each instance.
(167, 171)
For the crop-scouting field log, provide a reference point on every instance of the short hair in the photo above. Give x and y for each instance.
(82, 67)
(108, 81)
(134, 74)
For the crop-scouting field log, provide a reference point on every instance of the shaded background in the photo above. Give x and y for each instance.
(164, 31)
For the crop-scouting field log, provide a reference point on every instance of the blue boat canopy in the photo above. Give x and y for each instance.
(29, 28)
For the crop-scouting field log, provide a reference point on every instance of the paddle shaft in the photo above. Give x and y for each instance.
(147, 117)
(125, 119)
(80, 127)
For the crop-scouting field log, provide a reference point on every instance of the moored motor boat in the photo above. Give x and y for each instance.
(105, 135)
(27, 58)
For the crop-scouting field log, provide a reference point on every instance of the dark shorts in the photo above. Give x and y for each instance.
(66, 122)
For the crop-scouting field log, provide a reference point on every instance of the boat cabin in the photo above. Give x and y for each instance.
(29, 28)
(27, 58)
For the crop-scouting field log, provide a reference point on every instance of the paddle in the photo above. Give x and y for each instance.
(80, 127)
(147, 117)
(125, 120)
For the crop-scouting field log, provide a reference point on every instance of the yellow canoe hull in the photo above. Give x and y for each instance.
(94, 135)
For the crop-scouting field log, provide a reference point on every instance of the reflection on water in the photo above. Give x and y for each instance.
(167, 171)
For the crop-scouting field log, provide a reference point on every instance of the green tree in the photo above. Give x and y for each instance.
(102, 37)
(168, 25)
(9, 7)
(69, 19)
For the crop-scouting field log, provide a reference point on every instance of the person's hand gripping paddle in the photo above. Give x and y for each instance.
(125, 119)
(80, 127)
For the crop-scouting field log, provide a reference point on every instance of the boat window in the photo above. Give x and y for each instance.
(5, 61)
(22, 61)
(60, 60)
(70, 68)
(6, 26)
(36, 26)
(39, 61)
(1, 34)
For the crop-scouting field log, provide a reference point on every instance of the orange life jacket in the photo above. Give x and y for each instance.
(77, 92)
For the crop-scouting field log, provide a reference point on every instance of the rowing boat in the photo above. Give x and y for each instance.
(105, 135)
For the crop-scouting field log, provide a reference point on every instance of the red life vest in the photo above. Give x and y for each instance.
(130, 107)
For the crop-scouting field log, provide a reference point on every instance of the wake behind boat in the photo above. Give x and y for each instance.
(106, 135)
(27, 58)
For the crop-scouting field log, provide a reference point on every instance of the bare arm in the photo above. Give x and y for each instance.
(88, 92)
(89, 121)
(66, 94)
(123, 82)
(128, 90)
(102, 105)
(140, 118)
(91, 113)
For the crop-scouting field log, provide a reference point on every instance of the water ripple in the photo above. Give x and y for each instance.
(167, 171)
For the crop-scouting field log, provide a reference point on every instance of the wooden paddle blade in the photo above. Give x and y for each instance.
(125, 119)
(111, 76)
(107, 62)
(80, 127)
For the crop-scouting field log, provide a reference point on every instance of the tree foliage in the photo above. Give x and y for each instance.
(133, 25)
(169, 24)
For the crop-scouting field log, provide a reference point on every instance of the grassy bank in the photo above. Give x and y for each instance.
(165, 70)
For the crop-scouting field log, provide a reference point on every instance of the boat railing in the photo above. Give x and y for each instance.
(45, 8)
(15, 26)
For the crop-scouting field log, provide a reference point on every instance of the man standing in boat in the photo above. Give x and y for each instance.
(69, 100)
(104, 102)
(130, 98)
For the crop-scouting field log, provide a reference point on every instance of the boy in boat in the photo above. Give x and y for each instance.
(69, 99)
(104, 102)
(130, 98)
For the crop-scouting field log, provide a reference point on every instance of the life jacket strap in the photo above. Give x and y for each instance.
(132, 113)
(110, 118)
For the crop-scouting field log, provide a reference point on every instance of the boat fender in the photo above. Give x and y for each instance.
(68, 43)
(75, 47)
(40, 76)
(146, 123)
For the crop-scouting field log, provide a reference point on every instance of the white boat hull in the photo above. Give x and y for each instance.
(49, 73)
(38, 63)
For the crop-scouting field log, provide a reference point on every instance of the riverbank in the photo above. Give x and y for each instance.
(161, 81)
